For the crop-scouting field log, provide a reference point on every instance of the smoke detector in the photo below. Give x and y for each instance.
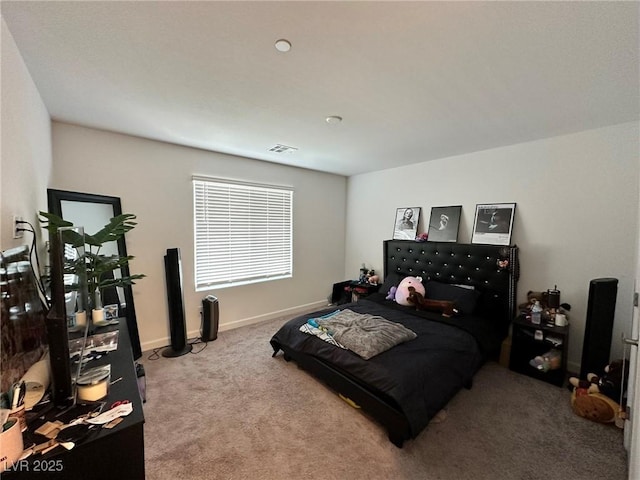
(283, 45)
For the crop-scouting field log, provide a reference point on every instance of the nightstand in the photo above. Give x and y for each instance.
(360, 290)
(530, 340)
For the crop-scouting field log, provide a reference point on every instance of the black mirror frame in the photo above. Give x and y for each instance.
(54, 199)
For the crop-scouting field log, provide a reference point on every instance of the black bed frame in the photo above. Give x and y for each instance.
(455, 263)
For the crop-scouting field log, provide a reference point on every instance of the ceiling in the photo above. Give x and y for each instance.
(413, 81)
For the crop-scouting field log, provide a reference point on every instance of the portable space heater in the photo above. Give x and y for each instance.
(209, 331)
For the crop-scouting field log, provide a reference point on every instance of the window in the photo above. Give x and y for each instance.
(243, 232)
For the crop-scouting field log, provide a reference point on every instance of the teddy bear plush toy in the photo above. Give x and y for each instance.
(609, 383)
(597, 397)
(531, 299)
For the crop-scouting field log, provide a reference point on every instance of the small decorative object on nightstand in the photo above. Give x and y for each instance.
(536, 313)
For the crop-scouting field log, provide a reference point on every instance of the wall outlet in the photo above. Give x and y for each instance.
(17, 227)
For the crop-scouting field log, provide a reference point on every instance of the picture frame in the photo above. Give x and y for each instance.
(111, 311)
(493, 223)
(405, 225)
(444, 224)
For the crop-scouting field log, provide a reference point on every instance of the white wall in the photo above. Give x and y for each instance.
(25, 161)
(153, 180)
(576, 214)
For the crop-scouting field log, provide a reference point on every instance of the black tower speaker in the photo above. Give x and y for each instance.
(173, 271)
(599, 326)
(209, 319)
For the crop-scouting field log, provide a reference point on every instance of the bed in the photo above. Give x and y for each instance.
(405, 386)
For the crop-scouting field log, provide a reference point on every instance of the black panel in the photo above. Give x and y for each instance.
(601, 309)
(177, 326)
(57, 334)
(339, 294)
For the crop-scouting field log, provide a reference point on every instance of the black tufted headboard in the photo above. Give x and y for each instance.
(458, 263)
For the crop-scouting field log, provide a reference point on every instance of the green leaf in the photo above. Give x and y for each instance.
(96, 265)
(113, 231)
(53, 222)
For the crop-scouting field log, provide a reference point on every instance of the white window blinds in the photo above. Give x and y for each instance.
(243, 232)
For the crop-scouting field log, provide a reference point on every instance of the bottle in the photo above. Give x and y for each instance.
(536, 312)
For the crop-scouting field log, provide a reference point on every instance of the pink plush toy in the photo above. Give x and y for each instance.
(402, 292)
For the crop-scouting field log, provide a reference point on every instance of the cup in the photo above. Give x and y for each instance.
(19, 414)
(11, 444)
(561, 320)
(81, 318)
(93, 384)
(97, 315)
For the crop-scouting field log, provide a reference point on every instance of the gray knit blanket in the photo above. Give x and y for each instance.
(364, 334)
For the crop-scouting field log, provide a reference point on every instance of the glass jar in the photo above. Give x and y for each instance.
(536, 313)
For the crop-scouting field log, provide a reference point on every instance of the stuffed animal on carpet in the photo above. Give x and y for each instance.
(597, 397)
(552, 360)
(596, 407)
(421, 303)
(609, 383)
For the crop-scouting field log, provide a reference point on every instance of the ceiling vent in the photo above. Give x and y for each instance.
(279, 148)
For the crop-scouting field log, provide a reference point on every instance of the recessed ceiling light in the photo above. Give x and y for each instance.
(333, 119)
(283, 45)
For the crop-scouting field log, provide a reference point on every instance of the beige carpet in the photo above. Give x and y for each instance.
(233, 412)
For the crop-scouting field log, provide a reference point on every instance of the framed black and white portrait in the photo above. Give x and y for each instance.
(444, 224)
(406, 223)
(493, 223)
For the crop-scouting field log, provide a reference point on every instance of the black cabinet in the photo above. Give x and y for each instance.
(351, 291)
(107, 454)
(360, 290)
(542, 342)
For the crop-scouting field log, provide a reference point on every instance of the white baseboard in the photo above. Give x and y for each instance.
(300, 309)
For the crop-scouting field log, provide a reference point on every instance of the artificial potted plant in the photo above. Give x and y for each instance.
(97, 265)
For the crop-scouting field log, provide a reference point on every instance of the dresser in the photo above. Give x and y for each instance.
(108, 453)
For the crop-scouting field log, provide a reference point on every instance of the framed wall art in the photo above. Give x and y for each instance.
(493, 223)
(444, 224)
(406, 223)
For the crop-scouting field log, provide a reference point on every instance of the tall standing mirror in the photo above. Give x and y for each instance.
(93, 212)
